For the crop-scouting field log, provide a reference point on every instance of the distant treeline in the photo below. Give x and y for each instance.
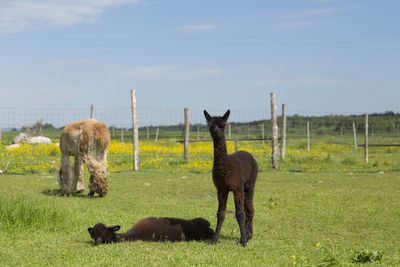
(388, 122)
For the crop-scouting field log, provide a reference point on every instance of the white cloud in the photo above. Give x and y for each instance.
(153, 71)
(297, 24)
(314, 12)
(301, 81)
(171, 72)
(323, 11)
(6, 69)
(20, 15)
(199, 27)
(302, 18)
(65, 62)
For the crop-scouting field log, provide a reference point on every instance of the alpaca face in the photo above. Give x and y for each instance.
(217, 124)
(100, 233)
(65, 178)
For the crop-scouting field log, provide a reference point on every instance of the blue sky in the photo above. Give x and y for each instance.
(318, 56)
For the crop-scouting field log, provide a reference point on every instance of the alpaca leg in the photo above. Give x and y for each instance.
(249, 211)
(91, 192)
(67, 175)
(98, 176)
(101, 155)
(240, 216)
(91, 164)
(78, 169)
(222, 198)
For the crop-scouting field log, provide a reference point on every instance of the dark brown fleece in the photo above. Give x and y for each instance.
(154, 229)
(237, 173)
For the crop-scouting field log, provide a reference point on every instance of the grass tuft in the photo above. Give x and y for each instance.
(367, 256)
(24, 212)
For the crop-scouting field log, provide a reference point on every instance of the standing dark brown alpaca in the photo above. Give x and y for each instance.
(237, 173)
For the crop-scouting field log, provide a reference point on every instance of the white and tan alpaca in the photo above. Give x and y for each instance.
(87, 141)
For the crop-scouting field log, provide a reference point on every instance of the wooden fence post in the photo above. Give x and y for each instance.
(366, 138)
(135, 132)
(262, 133)
(186, 136)
(198, 132)
(147, 132)
(308, 136)
(274, 124)
(355, 136)
(92, 111)
(236, 145)
(283, 141)
(122, 135)
(157, 132)
(229, 131)
(0, 135)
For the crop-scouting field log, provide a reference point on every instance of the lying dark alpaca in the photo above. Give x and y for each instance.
(237, 173)
(154, 229)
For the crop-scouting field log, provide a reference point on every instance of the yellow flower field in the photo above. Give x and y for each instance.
(168, 154)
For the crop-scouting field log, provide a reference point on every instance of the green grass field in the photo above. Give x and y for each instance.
(301, 218)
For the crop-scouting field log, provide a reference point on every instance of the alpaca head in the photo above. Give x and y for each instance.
(217, 124)
(203, 227)
(65, 175)
(100, 233)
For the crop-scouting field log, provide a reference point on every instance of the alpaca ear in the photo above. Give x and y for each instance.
(114, 228)
(208, 117)
(226, 115)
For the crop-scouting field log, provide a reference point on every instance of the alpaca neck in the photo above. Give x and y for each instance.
(220, 151)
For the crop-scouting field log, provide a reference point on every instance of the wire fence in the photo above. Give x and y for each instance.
(333, 139)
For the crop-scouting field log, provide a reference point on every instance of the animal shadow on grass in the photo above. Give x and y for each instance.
(57, 192)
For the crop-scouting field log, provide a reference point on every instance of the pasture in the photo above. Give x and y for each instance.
(302, 218)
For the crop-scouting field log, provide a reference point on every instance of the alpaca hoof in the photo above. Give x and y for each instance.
(249, 237)
(90, 194)
(243, 242)
(79, 191)
(213, 240)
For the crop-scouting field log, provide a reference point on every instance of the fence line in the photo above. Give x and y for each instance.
(251, 128)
